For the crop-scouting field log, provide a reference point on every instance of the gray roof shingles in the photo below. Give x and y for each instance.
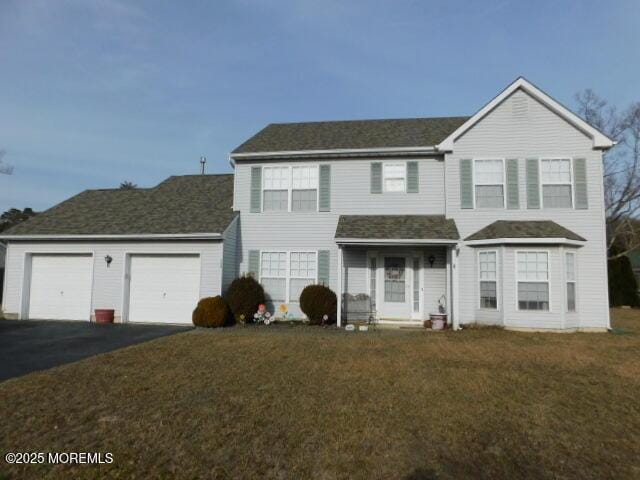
(524, 229)
(398, 227)
(178, 205)
(351, 134)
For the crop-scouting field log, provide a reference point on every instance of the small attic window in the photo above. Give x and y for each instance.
(519, 105)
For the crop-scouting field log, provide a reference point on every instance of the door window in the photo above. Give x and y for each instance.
(394, 279)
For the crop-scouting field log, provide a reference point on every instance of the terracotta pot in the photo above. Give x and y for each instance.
(104, 315)
(427, 324)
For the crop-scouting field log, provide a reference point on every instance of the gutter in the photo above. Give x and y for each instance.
(395, 241)
(524, 241)
(336, 152)
(151, 236)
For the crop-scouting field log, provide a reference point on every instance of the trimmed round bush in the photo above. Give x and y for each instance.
(316, 301)
(244, 295)
(212, 312)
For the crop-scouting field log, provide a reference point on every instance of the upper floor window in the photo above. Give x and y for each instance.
(489, 183)
(290, 188)
(394, 177)
(533, 280)
(555, 177)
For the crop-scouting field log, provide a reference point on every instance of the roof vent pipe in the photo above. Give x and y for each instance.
(203, 160)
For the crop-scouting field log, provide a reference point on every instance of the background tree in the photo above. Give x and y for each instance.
(14, 216)
(127, 185)
(621, 169)
(5, 168)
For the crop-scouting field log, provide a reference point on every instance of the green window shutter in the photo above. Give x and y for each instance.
(412, 177)
(256, 189)
(533, 183)
(254, 264)
(466, 183)
(376, 177)
(324, 204)
(513, 195)
(323, 267)
(580, 183)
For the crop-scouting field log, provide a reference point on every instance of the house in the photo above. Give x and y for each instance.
(496, 218)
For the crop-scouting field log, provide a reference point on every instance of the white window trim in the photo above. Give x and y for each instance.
(290, 188)
(384, 177)
(574, 281)
(570, 182)
(480, 307)
(288, 277)
(548, 280)
(370, 255)
(504, 181)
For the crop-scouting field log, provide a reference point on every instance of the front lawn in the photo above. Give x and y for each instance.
(307, 402)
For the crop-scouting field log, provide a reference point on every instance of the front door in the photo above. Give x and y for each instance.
(396, 288)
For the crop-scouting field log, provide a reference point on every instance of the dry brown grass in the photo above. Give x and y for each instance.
(308, 402)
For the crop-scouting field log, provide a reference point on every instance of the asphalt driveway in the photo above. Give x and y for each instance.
(27, 345)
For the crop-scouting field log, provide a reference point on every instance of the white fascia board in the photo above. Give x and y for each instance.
(168, 236)
(600, 140)
(335, 151)
(394, 241)
(524, 241)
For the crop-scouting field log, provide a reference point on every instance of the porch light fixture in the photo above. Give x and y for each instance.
(431, 259)
(108, 259)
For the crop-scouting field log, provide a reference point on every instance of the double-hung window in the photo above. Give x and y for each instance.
(555, 177)
(273, 275)
(570, 275)
(290, 189)
(489, 183)
(488, 277)
(302, 272)
(533, 280)
(394, 177)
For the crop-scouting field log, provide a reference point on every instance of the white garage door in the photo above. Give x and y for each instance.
(60, 287)
(163, 288)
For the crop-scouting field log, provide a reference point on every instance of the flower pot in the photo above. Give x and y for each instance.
(437, 324)
(104, 315)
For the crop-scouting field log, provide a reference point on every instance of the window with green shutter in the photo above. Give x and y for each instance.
(412, 177)
(513, 194)
(533, 183)
(580, 183)
(376, 177)
(466, 183)
(325, 188)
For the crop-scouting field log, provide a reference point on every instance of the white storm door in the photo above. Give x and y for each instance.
(396, 288)
(60, 287)
(163, 288)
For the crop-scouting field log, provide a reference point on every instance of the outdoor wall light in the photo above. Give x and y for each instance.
(108, 259)
(431, 259)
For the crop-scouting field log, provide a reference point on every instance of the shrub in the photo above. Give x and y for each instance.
(212, 312)
(244, 296)
(316, 301)
(623, 289)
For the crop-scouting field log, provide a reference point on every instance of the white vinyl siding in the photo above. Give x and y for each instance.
(570, 275)
(394, 177)
(489, 183)
(488, 279)
(556, 182)
(533, 280)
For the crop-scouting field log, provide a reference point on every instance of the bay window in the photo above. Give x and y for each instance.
(555, 177)
(489, 183)
(533, 280)
(488, 278)
(570, 275)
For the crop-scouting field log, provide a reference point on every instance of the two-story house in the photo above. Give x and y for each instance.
(497, 218)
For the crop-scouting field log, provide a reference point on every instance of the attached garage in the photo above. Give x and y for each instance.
(60, 287)
(163, 288)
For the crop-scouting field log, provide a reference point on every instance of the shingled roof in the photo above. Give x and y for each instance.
(524, 229)
(351, 134)
(396, 227)
(178, 205)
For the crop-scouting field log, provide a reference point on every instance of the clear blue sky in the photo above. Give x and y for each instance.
(95, 92)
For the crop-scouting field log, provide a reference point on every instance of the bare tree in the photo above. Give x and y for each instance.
(5, 168)
(621, 169)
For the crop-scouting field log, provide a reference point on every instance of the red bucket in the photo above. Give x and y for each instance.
(104, 315)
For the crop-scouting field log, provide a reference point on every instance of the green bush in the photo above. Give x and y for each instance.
(212, 312)
(244, 296)
(316, 301)
(623, 288)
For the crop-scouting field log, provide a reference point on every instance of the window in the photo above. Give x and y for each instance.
(302, 272)
(276, 189)
(285, 274)
(570, 265)
(489, 183)
(394, 175)
(290, 188)
(304, 189)
(555, 177)
(533, 280)
(273, 273)
(488, 276)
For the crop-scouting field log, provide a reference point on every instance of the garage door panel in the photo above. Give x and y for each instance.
(163, 288)
(60, 287)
